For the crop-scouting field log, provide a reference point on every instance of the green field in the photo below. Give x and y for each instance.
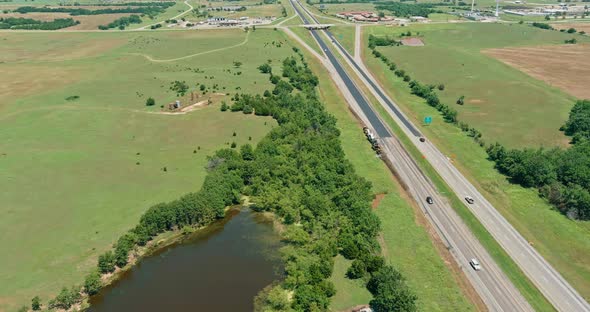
(77, 173)
(503, 103)
(406, 244)
(564, 243)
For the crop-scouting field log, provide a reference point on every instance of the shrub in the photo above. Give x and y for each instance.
(150, 102)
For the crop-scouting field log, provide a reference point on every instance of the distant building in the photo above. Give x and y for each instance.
(360, 16)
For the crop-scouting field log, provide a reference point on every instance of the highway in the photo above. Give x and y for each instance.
(495, 289)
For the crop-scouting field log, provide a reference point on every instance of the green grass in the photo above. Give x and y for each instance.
(499, 100)
(345, 35)
(561, 241)
(407, 245)
(70, 183)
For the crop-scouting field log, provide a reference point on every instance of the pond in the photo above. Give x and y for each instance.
(220, 268)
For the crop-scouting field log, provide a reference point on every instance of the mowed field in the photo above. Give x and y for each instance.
(564, 243)
(565, 67)
(505, 104)
(405, 240)
(75, 174)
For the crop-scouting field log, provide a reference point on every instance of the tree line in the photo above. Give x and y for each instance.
(147, 10)
(299, 172)
(375, 41)
(122, 22)
(29, 23)
(407, 9)
(562, 176)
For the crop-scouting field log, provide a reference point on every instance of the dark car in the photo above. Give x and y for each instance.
(422, 139)
(429, 200)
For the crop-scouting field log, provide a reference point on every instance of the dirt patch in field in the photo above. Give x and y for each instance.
(377, 200)
(475, 101)
(413, 42)
(562, 66)
(87, 22)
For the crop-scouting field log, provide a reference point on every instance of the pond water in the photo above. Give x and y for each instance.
(220, 268)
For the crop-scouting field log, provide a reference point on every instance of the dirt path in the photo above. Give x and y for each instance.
(151, 59)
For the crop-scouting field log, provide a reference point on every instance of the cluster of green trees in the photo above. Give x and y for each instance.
(561, 175)
(151, 10)
(29, 23)
(375, 41)
(407, 9)
(542, 25)
(299, 172)
(122, 22)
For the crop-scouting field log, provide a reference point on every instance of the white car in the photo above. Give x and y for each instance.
(469, 199)
(475, 264)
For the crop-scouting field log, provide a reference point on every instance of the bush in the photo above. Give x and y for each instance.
(36, 303)
(65, 299)
(150, 102)
(356, 270)
(92, 283)
(106, 262)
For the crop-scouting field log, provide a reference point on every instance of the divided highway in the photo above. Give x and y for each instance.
(495, 289)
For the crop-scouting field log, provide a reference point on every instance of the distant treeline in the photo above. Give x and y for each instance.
(561, 175)
(147, 10)
(122, 22)
(542, 25)
(29, 23)
(378, 41)
(407, 9)
(299, 172)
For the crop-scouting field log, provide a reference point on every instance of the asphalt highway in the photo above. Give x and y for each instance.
(493, 286)
(495, 289)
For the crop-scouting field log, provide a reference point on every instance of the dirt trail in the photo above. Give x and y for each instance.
(151, 59)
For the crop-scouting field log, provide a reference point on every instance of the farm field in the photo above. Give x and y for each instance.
(500, 101)
(87, 22)
(83, 156)
(579, 26)
(405, 241)
(565, 67)
(561, 241)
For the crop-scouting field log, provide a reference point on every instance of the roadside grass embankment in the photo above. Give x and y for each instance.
(561, 241)
(84, 157)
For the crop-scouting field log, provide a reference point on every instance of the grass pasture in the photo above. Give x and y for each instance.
(504, 103)
(564, 243)
(77, 173)
(405, 241)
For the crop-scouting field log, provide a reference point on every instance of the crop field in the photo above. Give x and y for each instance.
(565, 67)
(563, 242)
(82, 156)
(505, 104)
(405, 241)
